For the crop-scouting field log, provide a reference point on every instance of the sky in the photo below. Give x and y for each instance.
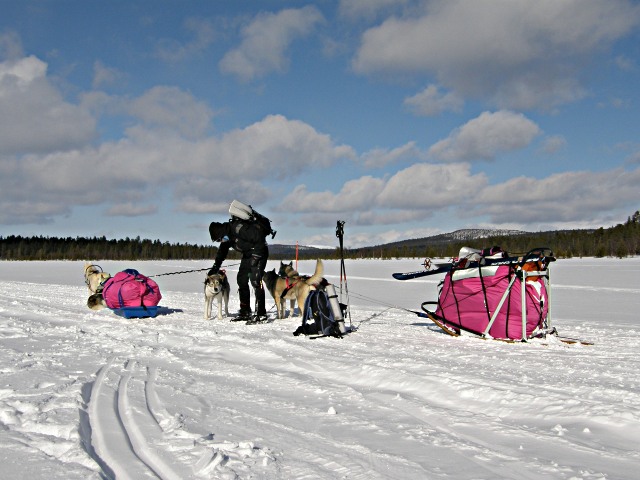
(402, 118)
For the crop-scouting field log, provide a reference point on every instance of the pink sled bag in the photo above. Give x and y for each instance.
(131, 294)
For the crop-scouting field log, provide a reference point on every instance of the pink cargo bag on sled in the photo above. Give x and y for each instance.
(131, 294)
(492, 295)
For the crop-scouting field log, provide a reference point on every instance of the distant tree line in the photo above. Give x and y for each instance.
(619, 241)
(99, 248)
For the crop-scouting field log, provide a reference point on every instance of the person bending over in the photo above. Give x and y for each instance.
(248, 238)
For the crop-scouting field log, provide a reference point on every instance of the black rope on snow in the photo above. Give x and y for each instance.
(188, 271)
(178, 273)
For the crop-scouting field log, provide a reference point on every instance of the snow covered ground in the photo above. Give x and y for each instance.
(88, 394)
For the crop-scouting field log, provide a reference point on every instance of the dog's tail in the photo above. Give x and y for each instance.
(316, 278)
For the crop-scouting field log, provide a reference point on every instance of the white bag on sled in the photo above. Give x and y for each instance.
(245, 212)
(240, 210)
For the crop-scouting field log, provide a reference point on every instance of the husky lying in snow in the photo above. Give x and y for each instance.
(292, 288)
(216, 286)
(94, 277)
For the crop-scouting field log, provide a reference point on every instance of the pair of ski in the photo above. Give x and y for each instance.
(484, 262)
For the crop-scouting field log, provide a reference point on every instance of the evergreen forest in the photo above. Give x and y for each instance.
(619, 241)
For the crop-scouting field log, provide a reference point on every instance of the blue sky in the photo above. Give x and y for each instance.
(404, 118)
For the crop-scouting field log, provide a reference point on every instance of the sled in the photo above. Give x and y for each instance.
(136, 312)
(490, 295)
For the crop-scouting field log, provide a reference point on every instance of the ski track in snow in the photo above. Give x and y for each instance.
(136, 437)
(91, 395)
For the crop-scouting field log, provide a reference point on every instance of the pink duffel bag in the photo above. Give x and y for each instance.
(130, 288)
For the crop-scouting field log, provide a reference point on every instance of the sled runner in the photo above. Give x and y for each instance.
(488, 294)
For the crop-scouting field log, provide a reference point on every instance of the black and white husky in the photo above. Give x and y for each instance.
(216, 286)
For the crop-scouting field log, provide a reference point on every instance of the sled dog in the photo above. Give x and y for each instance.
(94, 277)
(287, 270)
(292, 288)
(216, 286)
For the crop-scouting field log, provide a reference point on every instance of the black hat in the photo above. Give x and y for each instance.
(217, 231)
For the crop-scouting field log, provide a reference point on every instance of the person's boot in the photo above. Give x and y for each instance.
(261, 311)
(244, 313)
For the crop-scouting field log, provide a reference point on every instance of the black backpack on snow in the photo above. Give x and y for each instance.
(318, 317)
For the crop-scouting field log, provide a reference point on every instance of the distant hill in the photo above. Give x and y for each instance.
(467, 234)
(289, 251)
(415, 246)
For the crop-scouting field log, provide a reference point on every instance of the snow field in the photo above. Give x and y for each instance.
(91, 395)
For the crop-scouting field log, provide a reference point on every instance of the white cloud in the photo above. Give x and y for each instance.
(103, 75)
(367, 9)
(355, 195)
(34, 117)
(379, 157)
(427, 186)
(431, 102)
(172, 108)
(10, 45)
(553, 144)
(173, 51)
(625, 63)
(563, 197)
(512, 53)
(265, 42)
(486, 136)
(412, 194)
(160, 151)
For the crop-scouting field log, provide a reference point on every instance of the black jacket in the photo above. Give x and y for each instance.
(245, 237)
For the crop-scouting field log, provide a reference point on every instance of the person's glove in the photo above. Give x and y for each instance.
(214, 270)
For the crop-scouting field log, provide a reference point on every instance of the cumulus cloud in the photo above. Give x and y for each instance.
(367, 9)
(265, 42)
(553, 144)
(34, 117)
(172, 108)
(563, 197)
(203, 34)
(486, 136)
(431, 102)
(49, 163)
(411, 194)
(422, 191)
(355, 195)
(104, 76)
(501, 51)
(10, 45)
(427, 186)
(379, 157)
